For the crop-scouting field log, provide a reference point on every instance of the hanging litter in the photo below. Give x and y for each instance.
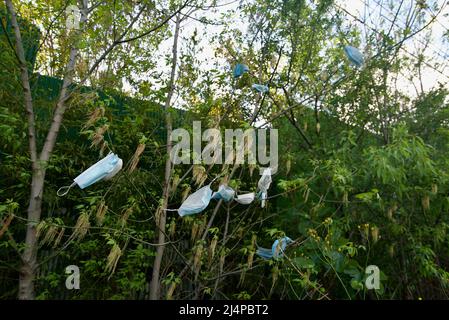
(224, 192)
(263, 185)
(240, 69)
(277, 249)
(196, 202)
(354, 56)
(105, 169)
(260, 87)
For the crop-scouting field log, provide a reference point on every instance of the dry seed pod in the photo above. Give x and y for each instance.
(171, 290)
(41, 227)
(185, 193)
(194, 231)
(50, 235)
(222, 258)
(136, 157)
(94, 116)
(125, 216)
(175, 182)
(98, 137)
(101, 212)
(425, 201)
(253, 241)
(318, 128)
(375, 234)
(82, 226)
(172, 228)
(275, 275)
(197, 258)
(113, 258)
(199, 174)
(390, 213)
(250, 259)
(201, 226)
(434, 188)
(391, 251)
(58, 238)
(212, 247)
(345, 198)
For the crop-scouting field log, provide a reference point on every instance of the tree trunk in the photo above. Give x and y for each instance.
(29, 256)
(155, 287)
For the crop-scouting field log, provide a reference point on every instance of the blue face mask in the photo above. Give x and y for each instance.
(196, 202)
(240, 69)
(354, 55)
(224, 192)
(259, 87)
(277, 249)
(106, 168)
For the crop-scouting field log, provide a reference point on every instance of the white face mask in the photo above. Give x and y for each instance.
(245, 198)
(106, 168)
(264, 184)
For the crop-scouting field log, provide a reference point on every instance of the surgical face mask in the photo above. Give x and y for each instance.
(106, 168)
(116, 169)
(224, 192)
(264, 184)
(240, 69)
(245, 198)
(277, 249)
(196, 202)
(259, 87)
(279, 246)
(354, 55)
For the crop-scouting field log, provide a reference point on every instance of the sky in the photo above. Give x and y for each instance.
(436, 55)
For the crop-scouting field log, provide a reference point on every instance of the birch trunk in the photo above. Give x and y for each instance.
(155, 283)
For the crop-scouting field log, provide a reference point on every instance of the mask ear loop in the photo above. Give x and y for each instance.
(65, 190)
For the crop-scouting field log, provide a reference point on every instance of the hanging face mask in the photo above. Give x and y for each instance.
(259, 87)
(106, 168)
(240, 69)
(116, 169)
(279, 246)
(277, 249)
(354, 56)
(196, 202)
(245, 198)
(224, 192)
(263, 185)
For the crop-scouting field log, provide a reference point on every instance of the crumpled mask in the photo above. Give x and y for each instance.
(264, 184)
(246, 198)
(106, 168)
(354, 55)
(240, 69)
(224, 192)
(196, 202)
(277, 249)
(260, 87)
